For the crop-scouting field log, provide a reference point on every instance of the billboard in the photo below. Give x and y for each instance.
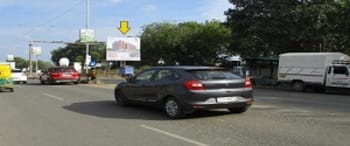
(123, 49)
(10, 57)
(36, 51)
(87, 35)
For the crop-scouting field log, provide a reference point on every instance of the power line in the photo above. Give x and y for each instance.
(65, 12)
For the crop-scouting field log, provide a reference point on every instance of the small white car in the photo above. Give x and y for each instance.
(19, 76)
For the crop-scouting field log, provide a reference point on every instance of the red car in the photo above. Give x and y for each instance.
(60, 75)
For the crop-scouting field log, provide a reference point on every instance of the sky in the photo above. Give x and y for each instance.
(22, 21)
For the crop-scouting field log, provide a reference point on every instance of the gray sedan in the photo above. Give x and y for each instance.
(180, 90)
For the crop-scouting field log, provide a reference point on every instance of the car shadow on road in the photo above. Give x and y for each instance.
(109, 109)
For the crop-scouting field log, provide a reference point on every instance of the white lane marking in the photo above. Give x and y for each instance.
(52, 96)
(174, 136)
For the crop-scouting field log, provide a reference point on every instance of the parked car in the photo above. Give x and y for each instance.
(19, 76)
(180, 90)
(60, 75)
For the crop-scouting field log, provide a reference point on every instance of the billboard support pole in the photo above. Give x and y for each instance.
(36, 64)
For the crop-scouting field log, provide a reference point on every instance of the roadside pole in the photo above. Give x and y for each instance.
(30, 59)
(87, 43)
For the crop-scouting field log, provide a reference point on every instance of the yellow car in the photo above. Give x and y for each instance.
(6, 82)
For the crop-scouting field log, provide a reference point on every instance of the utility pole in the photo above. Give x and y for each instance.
(87, 44)
(30, 59)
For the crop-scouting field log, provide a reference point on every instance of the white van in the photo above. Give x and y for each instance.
(319, 70)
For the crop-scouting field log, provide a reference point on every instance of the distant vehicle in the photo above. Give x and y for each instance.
(184, 89)
(60, 75)
(19, 76)
(6, 82)
(240, 70)
(317, 70)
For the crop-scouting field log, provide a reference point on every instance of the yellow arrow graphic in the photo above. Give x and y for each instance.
(124, 27)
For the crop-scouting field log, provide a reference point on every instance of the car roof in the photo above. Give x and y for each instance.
(62, 67)
(188, 67)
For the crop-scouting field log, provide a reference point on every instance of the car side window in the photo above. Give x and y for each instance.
(145, 76)
(166, 75)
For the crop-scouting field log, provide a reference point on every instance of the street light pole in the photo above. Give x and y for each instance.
(87, 27)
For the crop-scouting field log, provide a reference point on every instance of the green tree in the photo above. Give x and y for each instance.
(21, 62)
(188, 43)
(271, 27)
(44, 65)
(75, 52)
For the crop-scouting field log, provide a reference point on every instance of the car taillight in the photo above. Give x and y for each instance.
(247, 83)
(194, 85)
(55, 74)
(75, 74)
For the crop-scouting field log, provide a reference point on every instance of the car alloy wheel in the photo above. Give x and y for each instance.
(173, 109)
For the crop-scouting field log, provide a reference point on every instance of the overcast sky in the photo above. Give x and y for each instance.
(60, 20)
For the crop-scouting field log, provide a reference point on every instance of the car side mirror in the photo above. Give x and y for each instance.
(130, 79)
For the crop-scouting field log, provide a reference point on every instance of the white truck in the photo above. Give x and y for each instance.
(317, 70)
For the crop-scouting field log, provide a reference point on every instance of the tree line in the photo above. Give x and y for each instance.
(254, 28)
(271, 27)
(22, 63)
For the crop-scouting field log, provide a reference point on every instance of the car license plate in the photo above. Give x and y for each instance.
(227, 99)
(66, 75)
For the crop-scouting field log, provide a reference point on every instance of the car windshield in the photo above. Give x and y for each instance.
(214, 74)
(16, 71)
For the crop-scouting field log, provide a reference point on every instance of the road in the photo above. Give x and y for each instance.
(84, 115)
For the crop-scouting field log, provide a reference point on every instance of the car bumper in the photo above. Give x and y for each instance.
(205, 100)
(65, 81)
(20, 79)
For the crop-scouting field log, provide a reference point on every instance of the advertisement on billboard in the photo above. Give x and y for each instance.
(87, 35)
(36, 51)
(10, 57)
(123, 49)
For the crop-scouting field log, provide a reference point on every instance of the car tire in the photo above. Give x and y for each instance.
(298, 86)
(12, 90)
(120, 98)
(42, 82)
(238, 109)
(173, 109)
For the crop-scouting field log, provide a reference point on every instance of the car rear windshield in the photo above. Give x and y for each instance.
(220, 74)
(63, 70)
(16, 71)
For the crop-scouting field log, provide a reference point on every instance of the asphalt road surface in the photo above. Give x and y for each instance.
(84, 115)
